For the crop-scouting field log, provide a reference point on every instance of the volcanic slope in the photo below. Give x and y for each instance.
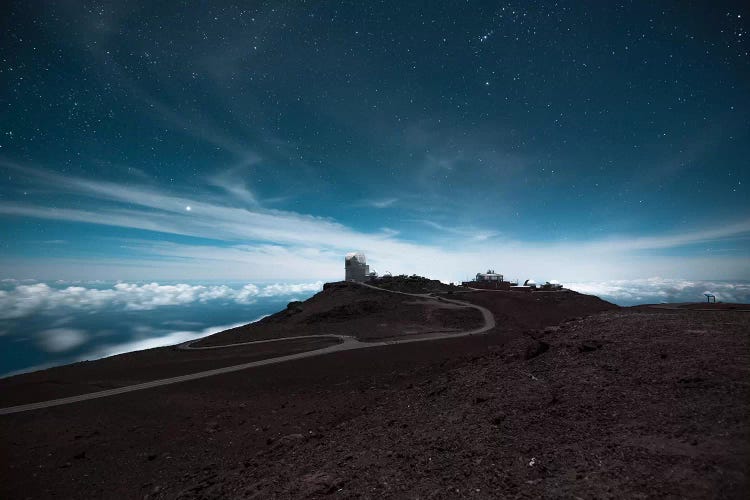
(637, 402)
(630, 403)
(341, 308)
(517, 311)
(351, 309)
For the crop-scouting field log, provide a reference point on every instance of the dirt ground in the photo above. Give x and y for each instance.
(636, 402)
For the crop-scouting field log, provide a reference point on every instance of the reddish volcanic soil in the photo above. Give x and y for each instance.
(638, 402)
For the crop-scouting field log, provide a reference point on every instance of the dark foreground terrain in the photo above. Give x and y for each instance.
(637, 402)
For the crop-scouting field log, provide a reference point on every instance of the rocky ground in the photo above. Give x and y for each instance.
(623, 404)
(637, 402)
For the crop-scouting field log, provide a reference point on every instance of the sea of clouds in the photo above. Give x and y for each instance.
(660, 290)
(49, 324)
(24, 299)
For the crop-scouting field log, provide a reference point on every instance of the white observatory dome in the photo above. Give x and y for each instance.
(358, 256)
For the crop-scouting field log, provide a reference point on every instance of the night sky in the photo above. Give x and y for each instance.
(264, 140)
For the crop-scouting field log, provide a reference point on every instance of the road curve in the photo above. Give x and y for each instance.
(347, 343)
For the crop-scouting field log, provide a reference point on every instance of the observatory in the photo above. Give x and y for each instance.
(490, 275)
(355, 267)
(490, 281)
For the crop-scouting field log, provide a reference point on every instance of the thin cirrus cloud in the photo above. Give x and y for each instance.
(469, 232)
(233, 181)
(252, 241)
(381, 203)
(158, 211)
(26, 299)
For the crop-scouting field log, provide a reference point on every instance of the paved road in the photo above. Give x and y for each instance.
(347, 343)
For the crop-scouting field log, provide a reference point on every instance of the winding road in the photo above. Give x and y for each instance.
(346, 343)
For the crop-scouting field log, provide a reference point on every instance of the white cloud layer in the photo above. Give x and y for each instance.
(24, 300)
(658, 290)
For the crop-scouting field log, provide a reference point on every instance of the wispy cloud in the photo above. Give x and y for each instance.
(467, 232)
(380, 203)
(295, 246)
(234, 182)
(716, 233)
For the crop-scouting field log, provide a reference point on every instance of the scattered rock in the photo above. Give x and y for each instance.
(535, 348)
(294, 307)
(691, 381)
(499, 419)
(319, 483)
(437, 391)
(289, 439)
(79, 456)
(589, 346)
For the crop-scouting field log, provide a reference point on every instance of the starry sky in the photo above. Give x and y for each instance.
(264, 140)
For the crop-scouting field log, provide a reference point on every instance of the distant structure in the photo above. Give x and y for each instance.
(550, 287)
(528, 286)
(490, 275)
(355, 267)
(489, 280)
(495, 281)
(710, 298)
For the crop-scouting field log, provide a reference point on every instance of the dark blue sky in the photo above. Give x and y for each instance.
(177, 140)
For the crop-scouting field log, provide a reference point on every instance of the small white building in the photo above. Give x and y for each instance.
(355, 267)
